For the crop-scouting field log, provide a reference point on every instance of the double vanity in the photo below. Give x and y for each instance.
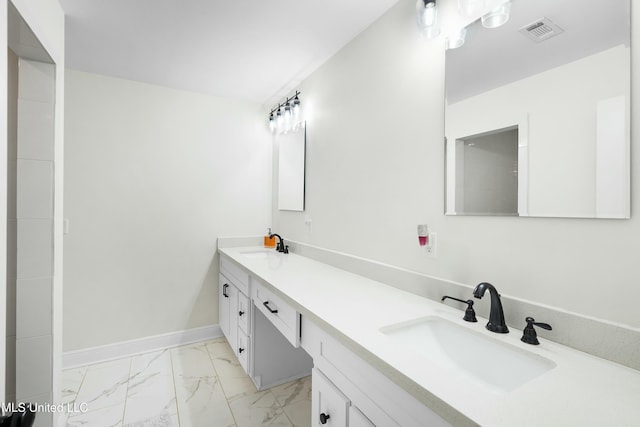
(381, 356)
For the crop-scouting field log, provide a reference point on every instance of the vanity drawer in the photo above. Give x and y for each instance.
(242, 350)
(357, 418)
(244, 311)
(284, 317)
(237, 275)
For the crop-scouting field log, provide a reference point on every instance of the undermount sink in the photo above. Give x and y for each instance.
(258, 253)
(497, 366)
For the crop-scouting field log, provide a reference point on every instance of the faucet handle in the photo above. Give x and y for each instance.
(469, 313)
(529, 334)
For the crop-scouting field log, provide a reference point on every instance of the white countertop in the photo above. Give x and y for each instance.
(581, 390)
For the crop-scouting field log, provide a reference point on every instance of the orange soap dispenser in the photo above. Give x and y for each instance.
(269, 242)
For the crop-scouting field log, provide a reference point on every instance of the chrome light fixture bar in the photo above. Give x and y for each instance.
(286, 116)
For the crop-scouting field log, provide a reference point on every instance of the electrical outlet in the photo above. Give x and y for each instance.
(432, 247)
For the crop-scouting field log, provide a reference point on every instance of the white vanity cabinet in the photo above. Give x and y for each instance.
(357, 418)
(234, 310)
(357, 393)
(262, 329)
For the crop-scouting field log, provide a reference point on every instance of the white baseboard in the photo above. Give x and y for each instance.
(103, 353)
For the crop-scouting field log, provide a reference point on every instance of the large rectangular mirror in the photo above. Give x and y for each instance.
(291, 163)
(537, 113)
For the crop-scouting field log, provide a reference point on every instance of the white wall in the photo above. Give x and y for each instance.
(152, 177)
(375, 168)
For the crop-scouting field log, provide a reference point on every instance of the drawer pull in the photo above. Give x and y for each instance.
(224, 290)
(266, 304)
(240, 313)
(240, 350)
(323, 418)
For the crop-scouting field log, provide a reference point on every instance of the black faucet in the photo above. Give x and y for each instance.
(496, 315)
(280, 247)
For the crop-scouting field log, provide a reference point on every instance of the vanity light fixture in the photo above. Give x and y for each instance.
(287, 115)
(272, 122)
(296, 108)
(497, 17)
(444, 18)
(470, 7)
(457, 40)
(427, 15)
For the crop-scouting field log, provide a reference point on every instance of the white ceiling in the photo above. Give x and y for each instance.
(251, 50)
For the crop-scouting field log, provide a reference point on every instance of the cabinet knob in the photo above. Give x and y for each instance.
(323, 418)
(240, 313)
(240, 350)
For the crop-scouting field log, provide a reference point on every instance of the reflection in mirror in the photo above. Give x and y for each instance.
(558, 73)
(291, 160)
(487, 173)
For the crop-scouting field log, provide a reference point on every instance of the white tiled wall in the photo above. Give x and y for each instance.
(12, 224)
(35, 189)
(36, 142)
(35, 296)
(34, 243)
(34, 234)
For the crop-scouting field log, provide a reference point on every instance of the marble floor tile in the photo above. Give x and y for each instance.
(157, 363)
(105, 385)
(201, 402)
(293, 391)
(299, 413)
(192, 361)
(197, 385)
(237, 387)
(218, 347)
(164, 419)
(71, 382)
(259, 409)
(228, 366)
(151, 400)
(111, 416)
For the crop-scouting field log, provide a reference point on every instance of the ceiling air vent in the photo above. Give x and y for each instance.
(541, 30)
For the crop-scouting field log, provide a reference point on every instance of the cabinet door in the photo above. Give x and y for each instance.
(328, 405)
(357, 418)
(244, 311)
(224, 301)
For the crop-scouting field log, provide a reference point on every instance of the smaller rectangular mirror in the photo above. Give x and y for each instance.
(291, 163)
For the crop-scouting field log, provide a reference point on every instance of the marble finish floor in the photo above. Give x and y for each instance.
(197, 385)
